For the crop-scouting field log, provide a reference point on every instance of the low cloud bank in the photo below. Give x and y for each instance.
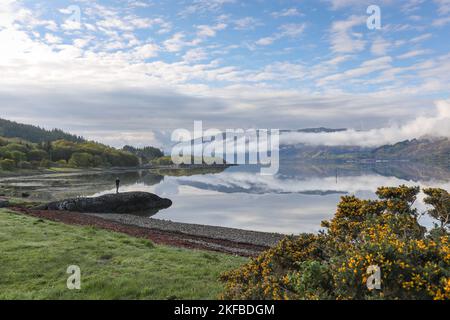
(435, 126)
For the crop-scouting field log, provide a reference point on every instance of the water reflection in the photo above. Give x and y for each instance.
(294, 201)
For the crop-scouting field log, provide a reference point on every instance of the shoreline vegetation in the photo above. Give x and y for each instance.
(364, 235)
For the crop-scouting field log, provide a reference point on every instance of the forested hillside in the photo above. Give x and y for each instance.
(17, 153)
(25, 146)
(11, 129)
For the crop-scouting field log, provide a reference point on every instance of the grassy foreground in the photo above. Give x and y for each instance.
(35, 254)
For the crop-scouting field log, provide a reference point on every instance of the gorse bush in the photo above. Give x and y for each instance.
(414, 263)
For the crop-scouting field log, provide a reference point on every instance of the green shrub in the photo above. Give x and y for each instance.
(37, 155)
(81, 160)
(25, 165)
(18, 156)
(61, 163)
(414, 264)
(7, 164)
(45, 163)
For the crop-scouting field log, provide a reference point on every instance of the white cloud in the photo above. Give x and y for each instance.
(52, 39)
(443, 6)
(146, 51)
(413, 53)
(380, 47)
(203, 6)
(177, 42)
(412, 5)
(432, 126)
(205, 31)
(421, 38)
(356, 4)
(440, 22)
(364, 69)
(290, 30)
(267, 41)
(195, 55)
(246, 23)
(288, 12)
(343, 39)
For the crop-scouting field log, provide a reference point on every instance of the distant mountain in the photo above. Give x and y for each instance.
(11, 129)
(431, 150)
(437, 150)
(314, 130)
(304, 152)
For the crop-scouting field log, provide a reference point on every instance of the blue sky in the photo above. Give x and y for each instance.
(132, 71)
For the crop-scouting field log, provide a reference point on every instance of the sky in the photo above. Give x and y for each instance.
(132, 71)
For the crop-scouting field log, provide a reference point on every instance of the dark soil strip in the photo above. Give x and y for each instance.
(157, 236)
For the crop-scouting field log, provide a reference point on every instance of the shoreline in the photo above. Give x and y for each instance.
(50, 171)
(251, 237)
(219, 239)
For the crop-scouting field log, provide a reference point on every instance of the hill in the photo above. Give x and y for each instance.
(21, 154)
(11, 129)
(429, 150)
(436, 150)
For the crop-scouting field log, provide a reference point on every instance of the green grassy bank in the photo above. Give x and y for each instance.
(35, 255)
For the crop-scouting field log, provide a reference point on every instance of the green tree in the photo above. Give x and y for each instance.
(37, 155)
(81, 160)
(18, 156)
(439, 199)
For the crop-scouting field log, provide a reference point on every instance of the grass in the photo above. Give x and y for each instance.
(35, 254)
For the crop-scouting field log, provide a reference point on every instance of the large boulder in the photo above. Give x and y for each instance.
(129, 202)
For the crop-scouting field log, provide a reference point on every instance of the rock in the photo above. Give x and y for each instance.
(130, 202)
(4, 203)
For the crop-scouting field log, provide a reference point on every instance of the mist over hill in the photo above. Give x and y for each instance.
(426, 149)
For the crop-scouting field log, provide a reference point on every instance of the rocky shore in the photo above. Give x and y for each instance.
(226, 240)
(220, 233)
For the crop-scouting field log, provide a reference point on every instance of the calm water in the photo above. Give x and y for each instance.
(294, 201)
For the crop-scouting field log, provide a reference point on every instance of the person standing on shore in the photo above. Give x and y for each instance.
(117, 184)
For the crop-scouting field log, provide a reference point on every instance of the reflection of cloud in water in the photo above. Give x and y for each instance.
(167, 188)
(279, 205)
(244, 181)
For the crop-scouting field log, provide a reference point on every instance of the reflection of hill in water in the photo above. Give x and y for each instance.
(186, 172)
(59, 186)
(252, 188)
(294, 177)
(317, 179)
(411, 171)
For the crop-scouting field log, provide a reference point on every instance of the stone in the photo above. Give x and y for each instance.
(129, 202)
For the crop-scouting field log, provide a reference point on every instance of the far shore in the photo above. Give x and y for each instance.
(62, 170)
